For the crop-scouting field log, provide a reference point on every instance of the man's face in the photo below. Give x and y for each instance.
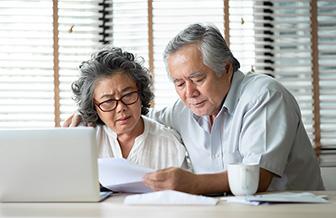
(198, 86)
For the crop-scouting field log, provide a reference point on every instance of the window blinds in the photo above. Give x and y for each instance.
(26, 64)
(242, 32)
(79, 35)
(273, 37)
(26, 57)
(129, 26)
(326, 11)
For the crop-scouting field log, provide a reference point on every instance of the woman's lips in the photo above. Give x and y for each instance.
(123, 119)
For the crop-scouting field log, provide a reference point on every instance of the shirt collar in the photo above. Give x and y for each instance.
(110, 132)
(233, 95)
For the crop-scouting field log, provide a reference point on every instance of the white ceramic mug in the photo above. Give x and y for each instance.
(243, 178)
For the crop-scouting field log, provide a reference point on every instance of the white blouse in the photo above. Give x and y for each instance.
(157, 147)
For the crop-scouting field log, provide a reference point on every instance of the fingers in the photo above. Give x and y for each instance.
(161, 180)
(76, 119)
(156, 182)
(68, 121)
(73, 120)
(156, 176)
(173, 179)
(91, 125)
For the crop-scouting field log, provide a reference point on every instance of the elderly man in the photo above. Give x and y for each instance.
(225, 116)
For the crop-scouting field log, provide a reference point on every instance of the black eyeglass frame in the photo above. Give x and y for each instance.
(117, 101)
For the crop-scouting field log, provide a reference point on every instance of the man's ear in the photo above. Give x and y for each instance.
(229, 69)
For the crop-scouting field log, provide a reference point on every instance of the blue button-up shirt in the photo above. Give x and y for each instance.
(259, 122)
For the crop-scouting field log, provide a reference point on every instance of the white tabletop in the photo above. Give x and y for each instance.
(114, 207)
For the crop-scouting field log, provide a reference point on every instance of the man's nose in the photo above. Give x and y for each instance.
(191, 89)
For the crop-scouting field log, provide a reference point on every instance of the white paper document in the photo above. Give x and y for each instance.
(169, 197)
(119, 175)
(281, 197)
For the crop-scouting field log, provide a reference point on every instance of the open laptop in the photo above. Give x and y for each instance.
(49, 165)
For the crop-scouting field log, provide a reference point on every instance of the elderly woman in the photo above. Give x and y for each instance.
(113, 93)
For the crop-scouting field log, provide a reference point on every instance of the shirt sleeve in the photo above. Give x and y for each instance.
(166, 115)
(268, 130)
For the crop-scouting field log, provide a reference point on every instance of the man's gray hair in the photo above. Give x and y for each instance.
(215, 53)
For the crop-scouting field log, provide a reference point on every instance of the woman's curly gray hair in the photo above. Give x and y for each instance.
(104, 63)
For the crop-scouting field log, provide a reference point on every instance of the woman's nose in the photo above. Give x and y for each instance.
(121, 106)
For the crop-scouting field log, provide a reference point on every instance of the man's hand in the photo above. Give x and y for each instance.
(72, 121)
(172, 178)
(185, 181)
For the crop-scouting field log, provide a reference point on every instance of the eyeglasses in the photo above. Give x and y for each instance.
(111, 104)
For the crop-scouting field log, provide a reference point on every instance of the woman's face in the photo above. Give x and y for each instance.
(119, 91)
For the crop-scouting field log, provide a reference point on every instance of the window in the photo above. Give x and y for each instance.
(326, 21)
(292, 40)
(35, 77)
(26, 64)
(80, 27)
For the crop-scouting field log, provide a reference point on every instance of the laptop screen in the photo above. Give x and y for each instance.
(48, 164)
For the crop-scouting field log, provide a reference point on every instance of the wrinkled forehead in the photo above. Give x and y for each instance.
(185, 64)
(114, 84)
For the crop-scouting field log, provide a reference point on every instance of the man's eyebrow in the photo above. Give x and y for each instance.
(176, 80)
(196, 74)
